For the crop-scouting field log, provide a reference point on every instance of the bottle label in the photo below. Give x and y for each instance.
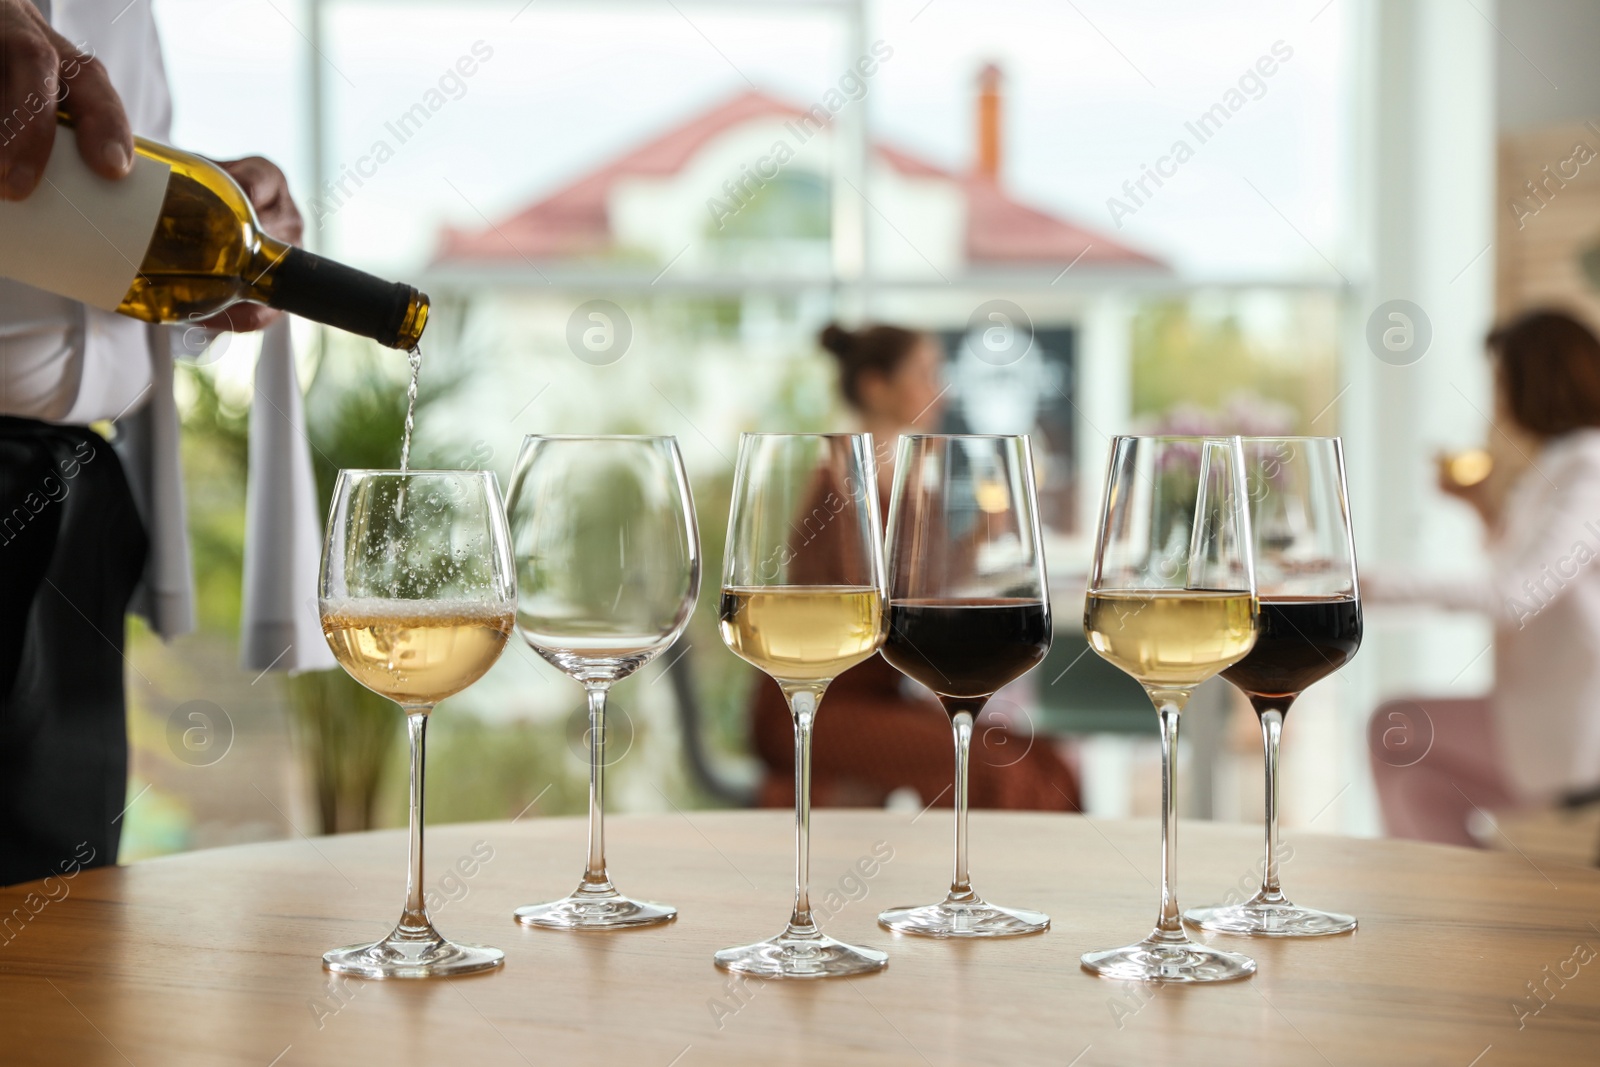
(81, 235)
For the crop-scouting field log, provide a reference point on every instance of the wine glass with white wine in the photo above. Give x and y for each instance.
(417, 598)
(608, 570)
(1172, 601)
(803, 599)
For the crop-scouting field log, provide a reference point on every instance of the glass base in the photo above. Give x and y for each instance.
(1261, 919)
(411, 958)
(975, 918)
(787, 956)
(1153, 960)
(590, 910)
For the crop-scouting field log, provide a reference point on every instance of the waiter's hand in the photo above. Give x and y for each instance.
(41, 72)
(268, 191)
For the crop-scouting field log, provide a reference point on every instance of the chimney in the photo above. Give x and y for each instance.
(987, 166)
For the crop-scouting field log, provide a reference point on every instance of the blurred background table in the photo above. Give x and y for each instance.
(213, 957)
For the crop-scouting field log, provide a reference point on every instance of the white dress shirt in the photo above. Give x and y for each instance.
(61, 361)
(1543, 595)
(64, 362)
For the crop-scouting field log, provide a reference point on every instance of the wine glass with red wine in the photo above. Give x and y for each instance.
(969, 611)
(1310, 626)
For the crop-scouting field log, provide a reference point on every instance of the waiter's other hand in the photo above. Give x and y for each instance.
(268, 191)
(42, 72)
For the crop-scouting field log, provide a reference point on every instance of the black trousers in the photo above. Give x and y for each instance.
(72, 547)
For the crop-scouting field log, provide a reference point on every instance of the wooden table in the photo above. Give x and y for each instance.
(213, 957)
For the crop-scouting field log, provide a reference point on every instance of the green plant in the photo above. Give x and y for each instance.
(216, 462)
(1204, 364)
(345, 735)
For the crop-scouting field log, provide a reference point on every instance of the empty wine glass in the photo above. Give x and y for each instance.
(608, 569)
(417, 597)
(1172, 602)
(1310, 627)
(969, 611)
(803, 600)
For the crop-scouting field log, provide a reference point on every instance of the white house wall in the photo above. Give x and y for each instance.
(916, 225)
(665, 215)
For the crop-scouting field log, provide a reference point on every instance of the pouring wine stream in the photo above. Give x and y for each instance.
(414, 357)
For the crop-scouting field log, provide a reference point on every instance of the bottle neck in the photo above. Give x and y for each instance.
(302, 283)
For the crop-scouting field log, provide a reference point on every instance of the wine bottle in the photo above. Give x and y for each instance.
(177, 241)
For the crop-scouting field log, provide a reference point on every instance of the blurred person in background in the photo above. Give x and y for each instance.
(90, 527)
(1536, 736)
(880, 733)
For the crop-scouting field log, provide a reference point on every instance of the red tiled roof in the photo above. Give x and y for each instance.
(1000, 230)
(910, 165)
(573, 223)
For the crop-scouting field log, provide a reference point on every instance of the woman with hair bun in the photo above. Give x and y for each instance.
(890, 378)
(880, 733)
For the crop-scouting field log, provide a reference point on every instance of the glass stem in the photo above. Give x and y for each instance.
(803, 703)
(595, 878)
(1169, 925)
(961, 718)
(414, 922)
(1271, 734)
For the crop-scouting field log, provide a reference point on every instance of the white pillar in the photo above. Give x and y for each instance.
(1104, 398)
(852, 264)
(1425, 202)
